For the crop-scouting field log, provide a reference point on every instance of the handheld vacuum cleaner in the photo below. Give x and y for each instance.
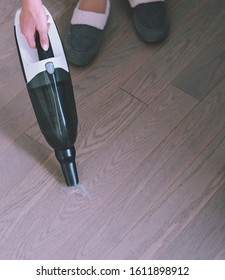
(49, 85)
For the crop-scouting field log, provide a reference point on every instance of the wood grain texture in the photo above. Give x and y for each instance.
(105, 167)
(15, 118)
(175, 209)
(170, 160)
(130, 148)
(11, 78)
(181, 49)
(18, 160)
(210, 226)
(205, 72)
(151, 179)
(149, 154)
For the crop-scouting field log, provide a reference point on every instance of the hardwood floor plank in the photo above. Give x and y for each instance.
(17, 161)
(204, 73)
(109, 114)
(146, 184)
(24, 206)
(174, 210)
(15, 118)
(129, 146)
(101, 172)
(221, 254)
(150, 156)
(160, 170)
(116, 115)
(179, 51)
(7, 43)
(11, 78)
(7, 11)
(139, 140)
(204, 237)
(35, 133)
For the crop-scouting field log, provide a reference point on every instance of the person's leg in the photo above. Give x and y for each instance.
(96, 6)
(150, 19)
(83, 39)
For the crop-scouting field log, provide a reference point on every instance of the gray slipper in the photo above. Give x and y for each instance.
(84, 35)
(151, 21)
(82, 43)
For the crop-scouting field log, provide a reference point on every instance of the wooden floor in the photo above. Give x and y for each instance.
(150, 146)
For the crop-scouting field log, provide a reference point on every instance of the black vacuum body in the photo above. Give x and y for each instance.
(48, 81)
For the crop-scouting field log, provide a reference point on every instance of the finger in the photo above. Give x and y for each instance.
(42, 28)
(31, 42)
(30, 37)
(28, 30)
(44, 40)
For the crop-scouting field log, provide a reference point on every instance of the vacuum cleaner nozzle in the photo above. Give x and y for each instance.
(66, 159)
(50, 89)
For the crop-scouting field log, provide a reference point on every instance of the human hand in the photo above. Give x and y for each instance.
(33, 18)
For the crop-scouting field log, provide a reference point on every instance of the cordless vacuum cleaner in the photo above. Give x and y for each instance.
(50, 89)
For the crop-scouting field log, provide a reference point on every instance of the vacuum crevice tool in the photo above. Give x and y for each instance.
(49, 85)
